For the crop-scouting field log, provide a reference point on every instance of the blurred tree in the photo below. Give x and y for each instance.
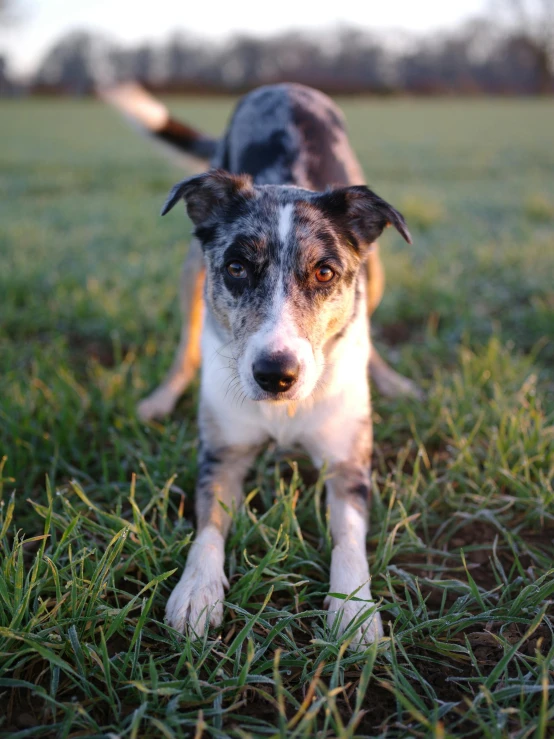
(6, 85)
(481, 56)
(298, 57)
(247, 62)
(532, 22)
(77, 64)
(5, 10)
(143, 63)
(7, 17)
(13, 12)
(184, 59)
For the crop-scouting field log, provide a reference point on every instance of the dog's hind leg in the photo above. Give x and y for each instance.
(187, 359)
(388, 382)
(199, 594)
(375, 278)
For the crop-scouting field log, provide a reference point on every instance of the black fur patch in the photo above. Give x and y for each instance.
(205, 233)
(318, 131)
(187, 139)
(208, 461)
(277, 153)
(360, 490)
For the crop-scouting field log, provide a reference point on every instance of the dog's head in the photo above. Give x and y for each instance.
(282, 271)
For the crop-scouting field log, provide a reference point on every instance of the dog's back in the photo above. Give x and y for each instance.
(289, 134)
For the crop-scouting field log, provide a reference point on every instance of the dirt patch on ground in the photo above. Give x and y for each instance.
(96, 349)
(397, 332)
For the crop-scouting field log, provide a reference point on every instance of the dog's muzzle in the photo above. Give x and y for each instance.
(276, 373)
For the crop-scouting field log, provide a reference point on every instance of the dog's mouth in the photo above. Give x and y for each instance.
(275, 398)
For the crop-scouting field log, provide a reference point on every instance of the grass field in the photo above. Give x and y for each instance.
(96, 513)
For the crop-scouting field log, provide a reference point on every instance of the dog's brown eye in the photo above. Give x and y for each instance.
(324, 274)
(236, 270)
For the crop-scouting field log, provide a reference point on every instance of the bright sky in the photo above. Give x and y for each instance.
(41, 22)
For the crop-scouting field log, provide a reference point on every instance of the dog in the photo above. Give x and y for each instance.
(277, 289)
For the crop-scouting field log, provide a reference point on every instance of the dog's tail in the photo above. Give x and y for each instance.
(152, 117)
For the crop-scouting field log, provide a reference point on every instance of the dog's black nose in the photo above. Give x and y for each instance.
(276, 373)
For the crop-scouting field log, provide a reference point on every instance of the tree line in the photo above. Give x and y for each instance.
(481, 56)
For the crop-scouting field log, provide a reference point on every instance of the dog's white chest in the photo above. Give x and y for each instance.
(284, 422)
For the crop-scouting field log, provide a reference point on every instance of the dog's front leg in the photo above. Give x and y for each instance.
(348, 495)
(199, 594)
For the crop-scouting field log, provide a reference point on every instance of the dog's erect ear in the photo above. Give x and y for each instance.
(363, 212)
(205, 193)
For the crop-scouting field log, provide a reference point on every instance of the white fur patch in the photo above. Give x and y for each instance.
(285, 222)
(199, 594)
(349, 526)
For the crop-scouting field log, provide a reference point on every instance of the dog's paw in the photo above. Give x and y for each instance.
(408, 389)
(403, 387)
(198, 596)
(345, 611)
(196, 599)
(158, 404)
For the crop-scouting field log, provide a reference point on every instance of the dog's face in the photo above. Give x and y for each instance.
(282, 272)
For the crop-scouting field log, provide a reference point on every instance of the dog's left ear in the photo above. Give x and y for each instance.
(209, 193)
(363, 212)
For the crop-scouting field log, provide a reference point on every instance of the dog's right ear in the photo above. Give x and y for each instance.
(209, 193)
